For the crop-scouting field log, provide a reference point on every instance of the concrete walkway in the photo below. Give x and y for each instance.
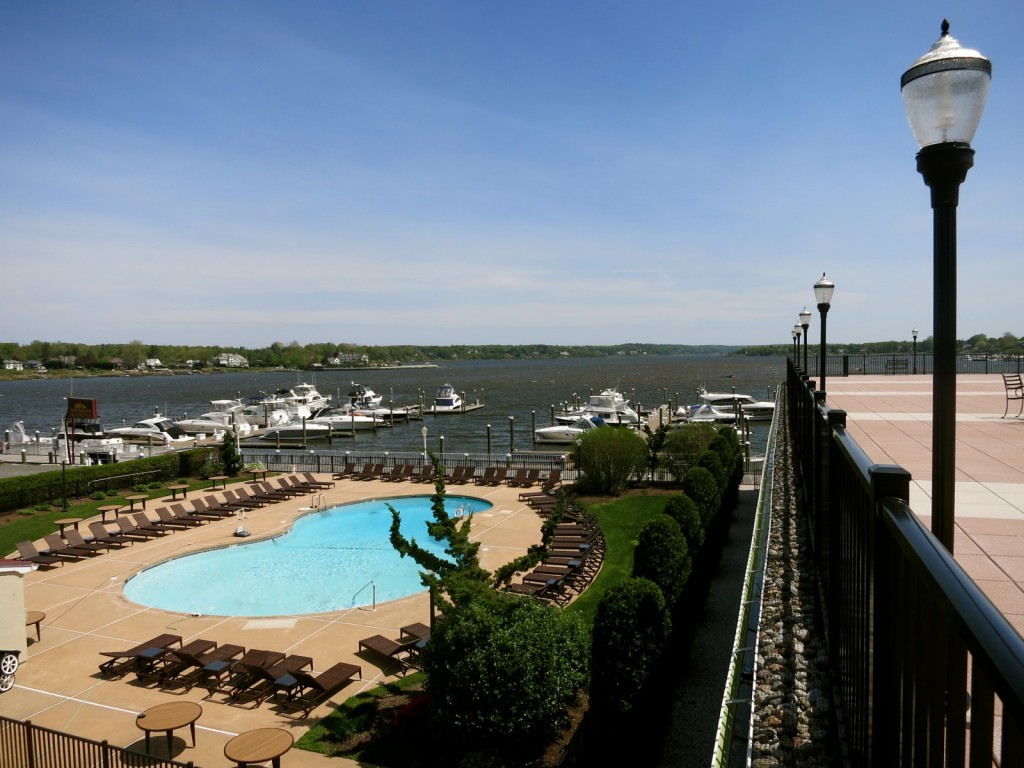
(890, 417)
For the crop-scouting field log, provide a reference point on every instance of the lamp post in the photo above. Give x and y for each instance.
(423, 433)
(796, 345)
(944, 94)
(914, 334)
(805, 323)
(823, 295)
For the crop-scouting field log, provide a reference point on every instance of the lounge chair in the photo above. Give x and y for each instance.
(500, 473)
(286, 485)
(266, 675)
(76, 540)
(189, 666)
(130, 529)
(424, 475)
(268, 490)
(168, 663)
(102, 534)
(210, 506)
(519, 478)
(244, 674)
(143, 523)
(167, 519)
(376, 470)
(391, 649)
(310, 479)
(55, 545)
(487, 477)
(345, 472)
(303, 485)
(239, 501)
(397, 472)
(306, 691)
(264, 496)
(180, 513)
(123, 661)
(27, 551)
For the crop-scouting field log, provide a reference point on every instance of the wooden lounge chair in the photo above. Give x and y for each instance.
(305, 691)
(166, 518)
(122, 662)
(424, 475)
(129, 528)
(187, 666)
(395, 473)
(180, 513)
(211, 506)
(266, 675)
(244, 674)
(311, 480)
(76, 540)
(345, 471)
(518, 478)
(376, 470)
(285, 484)
(100, 533)
(487, 477)
(167, 663)
(27, 551)
(391, 649)
(143, 523)
(237, 501)
(500, 473)
(55, 545)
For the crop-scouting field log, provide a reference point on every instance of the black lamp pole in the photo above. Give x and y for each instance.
(805, 323)
(796, 347)
(944, 94)
(914, 334)
(823, 294)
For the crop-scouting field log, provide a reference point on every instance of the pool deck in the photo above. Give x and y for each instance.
(59, 685)
(890, 417)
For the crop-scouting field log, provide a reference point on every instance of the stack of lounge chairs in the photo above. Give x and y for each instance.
(575, 548)
(403, 650)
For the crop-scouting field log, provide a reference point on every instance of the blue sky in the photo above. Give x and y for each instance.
(239, 173)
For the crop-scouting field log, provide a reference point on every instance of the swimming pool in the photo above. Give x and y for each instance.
(328, 561)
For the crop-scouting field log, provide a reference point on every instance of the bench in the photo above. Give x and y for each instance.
(1014, 391)
(897, 365)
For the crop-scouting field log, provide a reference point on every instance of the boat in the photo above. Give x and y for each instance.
(323, 426)
(567, 433)
(160, 429)
(360, 396)
(608, 404)
(297, 430)
(447, 400)
(705, 412)
(99, 447)
(301, 400)
(215, 421)
(753, 410)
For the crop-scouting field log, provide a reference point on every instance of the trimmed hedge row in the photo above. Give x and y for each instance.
(74, 482)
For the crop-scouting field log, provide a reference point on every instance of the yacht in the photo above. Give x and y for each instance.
(301, 400)
(215, 421)
(160, 429)
(360, 396)
(753, 410)
(609, 404)
(447, 400)
(705, 412)
(567, 433)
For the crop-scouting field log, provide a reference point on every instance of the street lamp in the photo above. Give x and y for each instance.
(914, 334)
(944, 94)
(805, 323)
(423, 433)
(796, 345)
(823, 295)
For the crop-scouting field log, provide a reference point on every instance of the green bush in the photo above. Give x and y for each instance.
(500, 673)
(98, 496)
(230, 456)
(26, 512)
(630, 631)
(684, 511)
(42, 507)
(701, 486)
(684, 445)
(663, 556)
(140, 488)
(711, 461)
(609, 459)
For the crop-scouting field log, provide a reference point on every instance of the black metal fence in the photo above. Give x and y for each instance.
(25, 745)
(928, 672)
(904, 363)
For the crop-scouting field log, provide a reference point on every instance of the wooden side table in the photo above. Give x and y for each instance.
(258, 474)
(169, 716)
(176, 489)
(136, 497)
(35, 617)
(115, 508)
(222, 479)
(64, 522)
(258, 746)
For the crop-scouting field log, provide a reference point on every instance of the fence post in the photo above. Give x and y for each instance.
(30, 752)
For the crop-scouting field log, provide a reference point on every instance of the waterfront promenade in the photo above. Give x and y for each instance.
(890, 417)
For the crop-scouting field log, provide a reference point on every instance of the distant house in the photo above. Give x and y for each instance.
(230, 360)
(350, 359)
(153, 362)
(14, 365)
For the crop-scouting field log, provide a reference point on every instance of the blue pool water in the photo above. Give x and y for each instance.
(326, 562)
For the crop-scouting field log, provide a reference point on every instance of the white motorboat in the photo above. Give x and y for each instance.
(362, 397)
(447, 400)
(705, 412)
(753, 410)
(215, 421)
(349, 420)
(567, 433)
(266, 415)
(158, 429)
(94, 443)
(297, 430)
(608, 404)
(301, 400)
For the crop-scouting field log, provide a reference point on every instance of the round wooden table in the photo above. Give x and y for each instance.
(115, 508)
(174, 489)
(66, 521)
(222, 479)
(258, 746)
(35, 617)
(143, 497)
(169, 716)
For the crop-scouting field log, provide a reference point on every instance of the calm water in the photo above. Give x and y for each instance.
(328, 561)
(524, 390)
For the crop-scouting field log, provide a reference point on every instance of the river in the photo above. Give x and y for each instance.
(518, 394)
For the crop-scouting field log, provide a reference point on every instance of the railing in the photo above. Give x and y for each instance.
(25, 745)
(908, 363)
(908, 631)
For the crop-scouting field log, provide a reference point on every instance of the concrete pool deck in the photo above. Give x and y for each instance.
(59, 685)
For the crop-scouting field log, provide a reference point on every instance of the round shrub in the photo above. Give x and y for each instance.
(701, 486)
(684, 511)
(630, 630)
(98, 496)
(662, 556)
(610, 458)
